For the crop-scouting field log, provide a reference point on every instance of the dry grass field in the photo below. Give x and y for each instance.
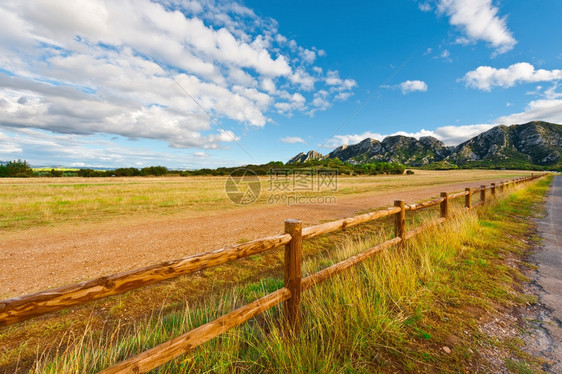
(63, 230)
(453, 272)
(33, 202)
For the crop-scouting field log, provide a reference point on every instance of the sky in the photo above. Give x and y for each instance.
(193, 84)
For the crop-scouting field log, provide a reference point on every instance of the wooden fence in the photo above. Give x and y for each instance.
(29, 306)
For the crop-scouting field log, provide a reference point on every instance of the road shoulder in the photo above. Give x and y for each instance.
(545, 320)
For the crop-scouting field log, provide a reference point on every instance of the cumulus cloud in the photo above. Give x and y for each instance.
(292, 140)
(408, 86)
(333, 79)
(547, 108)
(478, 20)
(536, 110)
(65, 149)
(413, 86)
(486, 77)
(167, 70)
(97, 151)
(449, 135)
(454, 135)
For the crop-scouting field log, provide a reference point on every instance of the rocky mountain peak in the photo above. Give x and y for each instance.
(533, 143)
(301, 157)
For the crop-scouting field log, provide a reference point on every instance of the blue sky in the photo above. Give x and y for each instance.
(190, 84)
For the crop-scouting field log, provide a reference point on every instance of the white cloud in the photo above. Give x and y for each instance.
(449, 135)
(298, 98)
(425, 7)
(144, 69)
(413, 86)
(547, 108)
(338, 140)
(92, 151)
(307, 55)
(292, 140)
(343, 96)
(9, 147)
(304, 79)
(536, 110)
(445, 55)
(551, 93)
(333, 79)
(487, 77)
(479, 20)
(224, 136)
(320, 102)
(241, 77)
(268, 85)
(454, 135)
(296, 101)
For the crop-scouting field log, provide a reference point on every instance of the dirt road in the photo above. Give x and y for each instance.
(41, 258)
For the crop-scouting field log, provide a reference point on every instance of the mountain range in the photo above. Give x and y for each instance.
(535, 143)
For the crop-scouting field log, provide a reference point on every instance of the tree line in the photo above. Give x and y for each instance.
(21, 169)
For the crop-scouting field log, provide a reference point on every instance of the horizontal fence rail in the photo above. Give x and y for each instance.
(29, 306)
(325, 228)
(33, 305)
(173, 348)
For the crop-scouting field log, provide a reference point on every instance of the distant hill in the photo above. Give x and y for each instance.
(519, 146)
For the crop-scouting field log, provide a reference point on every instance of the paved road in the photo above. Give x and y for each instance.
(549, 261)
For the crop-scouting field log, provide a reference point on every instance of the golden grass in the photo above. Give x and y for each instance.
(391, 314)
(32, 202)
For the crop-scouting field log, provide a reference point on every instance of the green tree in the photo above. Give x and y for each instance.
(17, 169)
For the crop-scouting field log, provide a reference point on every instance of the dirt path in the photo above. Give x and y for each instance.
(42, 258)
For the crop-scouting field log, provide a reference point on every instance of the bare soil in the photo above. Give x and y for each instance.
(45, 257)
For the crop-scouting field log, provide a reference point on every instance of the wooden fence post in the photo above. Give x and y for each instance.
(493, 190)
(293, 274)
(483, 193)
(468, 198)
(501, 186)
(400, 221)
(445, 205)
